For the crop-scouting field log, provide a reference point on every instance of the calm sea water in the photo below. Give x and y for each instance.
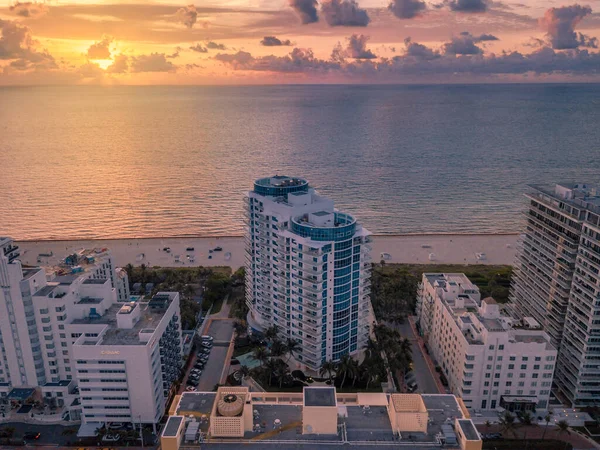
(92, 162)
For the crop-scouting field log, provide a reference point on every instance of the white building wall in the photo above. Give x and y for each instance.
(485, 365)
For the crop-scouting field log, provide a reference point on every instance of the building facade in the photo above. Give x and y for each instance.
(307, 270)
(66, 328)
(489, 359)
(557, 281)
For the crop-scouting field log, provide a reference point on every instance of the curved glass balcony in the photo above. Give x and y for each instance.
(345, 227)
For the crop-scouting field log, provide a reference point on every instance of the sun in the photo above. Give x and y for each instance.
(103, 63)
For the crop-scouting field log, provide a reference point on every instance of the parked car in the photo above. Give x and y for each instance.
(116, 425)
(193, 382)
(218, 249)
(190, 389)
(189, 249)
(31, 436)
(207, 338)
(111, 438)
(199, 365)
(167, 249)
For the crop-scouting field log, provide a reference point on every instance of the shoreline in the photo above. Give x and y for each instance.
(241, 236)
(434, 248)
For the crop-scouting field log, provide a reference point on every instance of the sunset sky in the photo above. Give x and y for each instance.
(297, 41)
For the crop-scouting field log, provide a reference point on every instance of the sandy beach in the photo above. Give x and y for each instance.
(416, 249)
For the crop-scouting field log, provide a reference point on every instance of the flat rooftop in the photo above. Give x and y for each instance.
(319, 396)
(149, 319)
(29, 272)
(172, 426)
(95, 281)
(468, 430)
(45, 291)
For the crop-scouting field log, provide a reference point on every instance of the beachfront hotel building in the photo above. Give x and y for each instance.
(557, 281)
(64, 328)
(307, 270)
(490, 359)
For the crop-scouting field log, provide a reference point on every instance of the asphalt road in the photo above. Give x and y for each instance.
(423, 375)
(50, 434)
(221, 331)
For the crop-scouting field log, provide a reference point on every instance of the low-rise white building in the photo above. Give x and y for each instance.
(490, 359)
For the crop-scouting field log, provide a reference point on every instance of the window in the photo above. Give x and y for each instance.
(486, 384)
(548, 367)
(508, 383)
(483, 404)
(470, 357)
(488, 375)
(486, 392)
(496, 375)
(507, 392)
(525, 358)
(490, 358)
(523, 366)
(537, 358)
(521, 384)
(511, 366)
(512, 358)
(522, 375)
(496, 383)
(519, 391)
(501, 347)
(491, 347)
(489, 367)
(498, 367)
(536, 367)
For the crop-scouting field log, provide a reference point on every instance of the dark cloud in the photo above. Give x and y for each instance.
(17, 43)
(154, 62)
(272, 41)
(464, 44)
(468, 6)
(344, 13)
(175, 54)
(357, 47)
(419, 51)
(407, 9)
(120, 64)
(560, 23)
(198, 48)
(187, 15)
(306, 10)
(31, 10)
(90, 70)
(100, 49)
(215, 46)
(421, 62)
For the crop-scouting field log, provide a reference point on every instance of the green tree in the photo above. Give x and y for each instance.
(525, 418)
(547, 419)
(563, 427)
(244, 371)
(271, 367)
(346, 367)
(328, 367)
(281, 369)
(260, 354)
(277, 348)
(507, 423)
(291, 346)
(272, 332)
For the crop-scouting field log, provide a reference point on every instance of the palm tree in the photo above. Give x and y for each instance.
(244, 370)
(271, 332)
(507, 423)
(291, 345)
(547, 419)
(563, 427)
(282, 369)
(525, 418)
(129, 270)
(345, 367)
(260, 354)
(239, 326)
(277, 348)
(271, 367)
(327, 367)
(354, 371)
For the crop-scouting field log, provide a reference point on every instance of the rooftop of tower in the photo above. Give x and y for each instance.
(580, 195)
(280, 185)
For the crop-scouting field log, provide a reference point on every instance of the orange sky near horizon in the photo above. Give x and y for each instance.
(223, 42)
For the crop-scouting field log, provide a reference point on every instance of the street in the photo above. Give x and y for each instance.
(50, 434)
(425, 379)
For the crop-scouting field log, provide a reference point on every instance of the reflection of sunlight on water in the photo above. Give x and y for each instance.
(170, 161)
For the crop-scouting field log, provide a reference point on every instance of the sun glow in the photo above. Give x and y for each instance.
(103, 63)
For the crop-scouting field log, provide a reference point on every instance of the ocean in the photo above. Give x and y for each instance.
(117, 162)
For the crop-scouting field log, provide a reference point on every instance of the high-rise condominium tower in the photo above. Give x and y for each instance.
(308, 270)
(557, 281)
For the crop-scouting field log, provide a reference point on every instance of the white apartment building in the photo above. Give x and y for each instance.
(307, 270)
(488, 358)
(557, 281)
(73, 332)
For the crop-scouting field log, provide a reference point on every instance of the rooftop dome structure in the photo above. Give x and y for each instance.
(230, 405)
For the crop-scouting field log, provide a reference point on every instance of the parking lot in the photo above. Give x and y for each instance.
(221, 332)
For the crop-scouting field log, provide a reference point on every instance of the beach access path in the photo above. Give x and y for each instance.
(409, 249)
